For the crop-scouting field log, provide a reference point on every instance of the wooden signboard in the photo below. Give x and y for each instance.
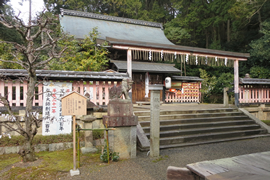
(74, 104)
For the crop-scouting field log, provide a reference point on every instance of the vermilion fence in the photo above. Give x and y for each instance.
(254, 94)
(16, 91)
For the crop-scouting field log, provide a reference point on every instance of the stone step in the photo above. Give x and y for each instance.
(195, 120)
(201, 131)
(200, 125)
(186, 116)
(208, 141)
(209, 136)
(146, 148)
(147, 113)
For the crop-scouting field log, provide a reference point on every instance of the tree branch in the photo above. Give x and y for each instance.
(6, 104)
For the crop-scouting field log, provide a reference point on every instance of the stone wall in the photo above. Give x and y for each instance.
(261, 112)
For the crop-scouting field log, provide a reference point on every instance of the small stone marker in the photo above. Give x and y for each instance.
(74, 104)
(154, 115)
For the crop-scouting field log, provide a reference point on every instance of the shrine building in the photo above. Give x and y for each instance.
(141, 49)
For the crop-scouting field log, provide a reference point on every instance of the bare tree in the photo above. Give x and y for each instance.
(28, 55)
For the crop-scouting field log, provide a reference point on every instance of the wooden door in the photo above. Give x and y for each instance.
(138, 87)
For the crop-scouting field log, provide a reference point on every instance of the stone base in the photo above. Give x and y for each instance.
(74, 172)
(88, 150)
(123, 141)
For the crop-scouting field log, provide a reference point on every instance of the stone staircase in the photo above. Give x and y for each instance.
(194, 127)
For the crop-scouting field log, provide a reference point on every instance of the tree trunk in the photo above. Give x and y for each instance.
(228, 30)
(27, 152)
(206, 39)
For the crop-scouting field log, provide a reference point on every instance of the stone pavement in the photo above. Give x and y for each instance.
(144, 167)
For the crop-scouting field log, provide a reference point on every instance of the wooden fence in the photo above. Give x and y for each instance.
(16, 91)
(190, 93)
(251, 94)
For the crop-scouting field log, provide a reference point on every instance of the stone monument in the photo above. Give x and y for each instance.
(120, 115)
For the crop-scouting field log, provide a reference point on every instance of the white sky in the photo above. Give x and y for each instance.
(37, 6)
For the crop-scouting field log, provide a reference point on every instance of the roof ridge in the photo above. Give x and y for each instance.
(109, 18)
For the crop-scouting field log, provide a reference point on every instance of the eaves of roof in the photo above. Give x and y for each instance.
(64, 75)
(186, 78)
(185, 49)
(247, 81)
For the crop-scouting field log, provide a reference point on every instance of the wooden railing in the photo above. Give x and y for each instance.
(250, 94)
(15, 91)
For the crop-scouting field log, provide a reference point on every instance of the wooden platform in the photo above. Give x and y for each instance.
(248, 167)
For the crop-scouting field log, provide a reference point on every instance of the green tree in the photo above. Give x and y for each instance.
(208, 84)
(85, 55)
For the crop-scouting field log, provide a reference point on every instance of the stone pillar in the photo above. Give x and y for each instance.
(154, 116)
(87, 124)
(225, 97)
(260, 112)
(123, 138)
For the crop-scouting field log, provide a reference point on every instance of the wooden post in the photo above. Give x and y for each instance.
(74, 142)
(236, 83)
(129, 69)
(129, 63)
(74, 104)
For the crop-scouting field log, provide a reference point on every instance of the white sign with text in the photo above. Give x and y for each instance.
(53, 122)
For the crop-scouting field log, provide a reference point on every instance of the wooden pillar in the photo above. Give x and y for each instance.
(236, 82)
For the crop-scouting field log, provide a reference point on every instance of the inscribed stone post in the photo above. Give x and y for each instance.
(154, 115)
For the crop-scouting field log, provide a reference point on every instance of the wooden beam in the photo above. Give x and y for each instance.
(178, 52)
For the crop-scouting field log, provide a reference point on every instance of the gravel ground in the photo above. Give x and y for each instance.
(144, 167)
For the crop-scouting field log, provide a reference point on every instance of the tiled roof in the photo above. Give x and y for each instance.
(79, 24)
(146, 67)
(186, 78)
(64, 75)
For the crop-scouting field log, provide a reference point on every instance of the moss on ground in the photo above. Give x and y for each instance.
(50, 165)
(266, 122)
(8, 159)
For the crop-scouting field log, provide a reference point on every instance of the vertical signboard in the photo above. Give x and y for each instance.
(54, 122)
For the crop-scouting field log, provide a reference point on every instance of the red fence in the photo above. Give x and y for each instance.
(251, 94)
(15, 91)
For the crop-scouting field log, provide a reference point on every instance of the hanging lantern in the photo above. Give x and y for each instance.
(187, 58)
(172, 90)
(206, 60)
(216, 59)
(226, 61)
(196, 59)
(174, 55)
(161, 54)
